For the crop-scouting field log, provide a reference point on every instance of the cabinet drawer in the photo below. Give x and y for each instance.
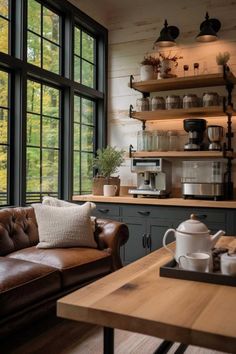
(106, 210)
(137, 210)
(206, 215)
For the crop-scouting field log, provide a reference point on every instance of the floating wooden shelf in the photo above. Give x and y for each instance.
(178, 83)
(161, 114)
(183, 154)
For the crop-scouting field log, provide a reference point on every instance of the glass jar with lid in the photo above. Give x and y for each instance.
(159, 140)
(158, 103)
(144, 140)
(173, 101)
(210, 99)
(190, 100)
(142, 104)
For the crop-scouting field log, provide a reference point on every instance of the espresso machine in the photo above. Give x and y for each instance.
(195, 129)
(154, 177)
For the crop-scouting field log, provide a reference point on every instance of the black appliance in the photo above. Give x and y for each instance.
(195, 129)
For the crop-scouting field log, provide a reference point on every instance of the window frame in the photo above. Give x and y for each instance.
(21, 70)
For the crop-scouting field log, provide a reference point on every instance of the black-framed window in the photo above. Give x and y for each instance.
(4, 26)
(4, 137)
(52, 121)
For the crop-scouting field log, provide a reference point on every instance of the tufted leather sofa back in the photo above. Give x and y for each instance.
(18, 229)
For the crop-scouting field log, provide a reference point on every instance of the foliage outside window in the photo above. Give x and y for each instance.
(43, 42)
(43, 125)
(84, 144)
(4, 26)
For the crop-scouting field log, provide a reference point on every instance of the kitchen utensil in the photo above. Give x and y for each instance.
(191, 236)
(215, 135)
(198, 261)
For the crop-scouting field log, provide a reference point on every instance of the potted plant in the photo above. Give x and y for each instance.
(222, 60)
(107, 162)
(168, 65)
(149, 66)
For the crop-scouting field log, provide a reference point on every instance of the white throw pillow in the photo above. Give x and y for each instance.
(62, 203)
(64, 227)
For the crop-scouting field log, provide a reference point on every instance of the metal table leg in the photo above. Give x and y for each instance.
(108, 340)
(164, 347)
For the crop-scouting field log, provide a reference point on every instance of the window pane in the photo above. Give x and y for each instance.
(3, 174)
(77, 172)
(34, 49)
(33, 97)
(50, 56)
(4, 8)
(87, 172)
(50, 132)
(77, 109)
(87, 47)
(77, 41)
(50, 101)
(87, 112)
(34, 16)
(49, 171)
(77, 136)
(3, 35)
(77, 69)
(32, 171)
(33, 129)
(87, 138)
(3, 89)
(3, 126)
(50, 25)
(87, 74)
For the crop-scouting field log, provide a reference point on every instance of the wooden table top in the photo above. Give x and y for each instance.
(136, 299)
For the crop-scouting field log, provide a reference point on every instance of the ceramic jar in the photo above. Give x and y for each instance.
(158, 103)
(142, 104)
(190, 100)
(210, 99)
(173, 101)
(146, 72)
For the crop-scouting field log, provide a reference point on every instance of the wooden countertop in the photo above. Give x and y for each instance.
(136, 298)
(126, 199)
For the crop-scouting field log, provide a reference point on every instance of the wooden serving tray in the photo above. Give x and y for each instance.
(172, 270)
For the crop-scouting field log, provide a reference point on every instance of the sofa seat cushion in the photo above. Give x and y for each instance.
(75, 264)
(23, 283)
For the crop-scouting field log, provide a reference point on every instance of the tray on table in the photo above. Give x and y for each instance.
(172, 270)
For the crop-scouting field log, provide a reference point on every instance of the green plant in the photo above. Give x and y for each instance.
(222, 58)
(108, 160)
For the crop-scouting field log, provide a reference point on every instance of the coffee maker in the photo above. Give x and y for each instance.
(195, 128)
(153, 177)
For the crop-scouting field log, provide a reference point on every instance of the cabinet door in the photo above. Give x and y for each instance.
(107, 211)
(135, 248)
(156, 230)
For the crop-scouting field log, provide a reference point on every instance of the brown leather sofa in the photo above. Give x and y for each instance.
(32, 279)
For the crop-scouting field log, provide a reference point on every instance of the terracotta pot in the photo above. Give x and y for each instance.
(99, 182)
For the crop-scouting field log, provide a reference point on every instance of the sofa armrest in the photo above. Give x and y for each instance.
(111, 235)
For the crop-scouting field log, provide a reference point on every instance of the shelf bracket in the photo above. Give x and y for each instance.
(131, 150)
(144, 125)
(131, 79)
(131, 110)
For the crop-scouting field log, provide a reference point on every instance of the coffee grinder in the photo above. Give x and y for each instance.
(195, 128)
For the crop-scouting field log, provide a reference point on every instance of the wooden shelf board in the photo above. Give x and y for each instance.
(182, 154)
(213, 111)
(179, 83)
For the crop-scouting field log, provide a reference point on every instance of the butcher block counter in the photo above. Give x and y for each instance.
(231, 204)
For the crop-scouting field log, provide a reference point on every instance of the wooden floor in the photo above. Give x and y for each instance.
(59, 336)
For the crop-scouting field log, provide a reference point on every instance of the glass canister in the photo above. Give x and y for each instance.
(159, 140)
(173, 140)
(173, 101)
(158, 103)
(142, 104)
(190, 100)
(210, 99)
(144, 140)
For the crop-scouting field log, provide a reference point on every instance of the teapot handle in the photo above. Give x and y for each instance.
(164, 241)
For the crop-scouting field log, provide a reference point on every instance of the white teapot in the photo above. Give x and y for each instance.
(192, 236)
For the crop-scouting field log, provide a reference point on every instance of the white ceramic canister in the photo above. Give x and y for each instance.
(146, 72)
(158, 103)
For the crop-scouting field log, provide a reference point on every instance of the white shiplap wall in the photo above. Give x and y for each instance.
(133, 27)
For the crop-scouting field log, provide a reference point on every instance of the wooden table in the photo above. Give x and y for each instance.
(136, 299)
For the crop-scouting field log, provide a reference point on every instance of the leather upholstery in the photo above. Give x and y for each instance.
(23, 283)
(75, 264)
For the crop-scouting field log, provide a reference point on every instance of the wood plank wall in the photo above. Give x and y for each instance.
(133, 27)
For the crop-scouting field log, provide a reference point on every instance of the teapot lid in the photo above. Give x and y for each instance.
(193, 226)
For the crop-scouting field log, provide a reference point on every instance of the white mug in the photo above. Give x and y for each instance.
(109, 190)
(228, 264)
(197, 261)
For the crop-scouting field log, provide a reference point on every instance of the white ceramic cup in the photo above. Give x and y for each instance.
(109, 190)
(198, 261)
(228, 264)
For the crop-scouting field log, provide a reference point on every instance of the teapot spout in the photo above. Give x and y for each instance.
(215, 238)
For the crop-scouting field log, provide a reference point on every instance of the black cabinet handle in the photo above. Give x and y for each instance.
(144, 240)
(145, 213)
(149, 242)
(104, 211)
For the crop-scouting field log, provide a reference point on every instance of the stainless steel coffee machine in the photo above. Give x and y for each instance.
(153, 177)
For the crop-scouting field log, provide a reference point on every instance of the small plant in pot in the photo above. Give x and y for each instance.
(149, 66)
(107, 162)
(168, 65)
